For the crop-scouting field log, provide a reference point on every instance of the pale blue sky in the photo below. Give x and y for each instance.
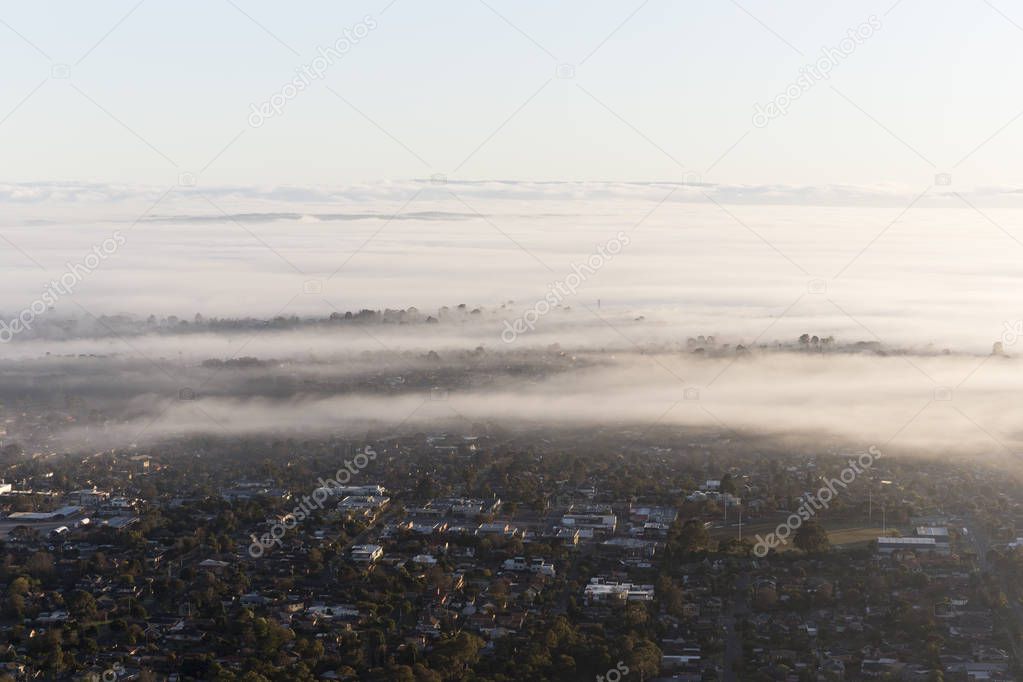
(677, 81)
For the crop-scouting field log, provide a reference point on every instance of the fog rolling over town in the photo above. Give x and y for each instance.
(397, 371)
(491, 341)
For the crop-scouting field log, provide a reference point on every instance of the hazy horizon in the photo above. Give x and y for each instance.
(611, 179)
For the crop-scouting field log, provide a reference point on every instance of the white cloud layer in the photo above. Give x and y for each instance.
(913, 275)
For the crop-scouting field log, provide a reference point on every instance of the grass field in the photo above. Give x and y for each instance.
(843, 533)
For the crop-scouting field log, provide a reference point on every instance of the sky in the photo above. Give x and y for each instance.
(143, 93)
(850, 168)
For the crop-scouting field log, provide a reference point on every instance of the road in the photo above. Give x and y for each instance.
(738, 608)
(981, 544)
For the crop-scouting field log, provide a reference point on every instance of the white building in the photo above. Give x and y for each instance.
(936, 532)
(601, 591)
(889, 545)
(340, 611)
(86, 497)
(367, 504)
(346, 490)
(604, 524)
(497, 528)
(367, 554)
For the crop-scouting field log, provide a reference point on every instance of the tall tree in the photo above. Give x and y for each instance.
(812, 538)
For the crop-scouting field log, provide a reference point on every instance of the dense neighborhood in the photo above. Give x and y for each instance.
(497, 556)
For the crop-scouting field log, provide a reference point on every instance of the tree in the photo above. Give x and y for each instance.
(16, 592)
(643, 657)
(670, 595)
(728, 484)
(765, 597)
(693, 537)
(82, 606)
(456, 653)
(40, 564)
(401, 673)
(812, 538)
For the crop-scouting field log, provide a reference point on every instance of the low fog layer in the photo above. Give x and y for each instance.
(911, 403)
(229, 312)
(937, 271)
